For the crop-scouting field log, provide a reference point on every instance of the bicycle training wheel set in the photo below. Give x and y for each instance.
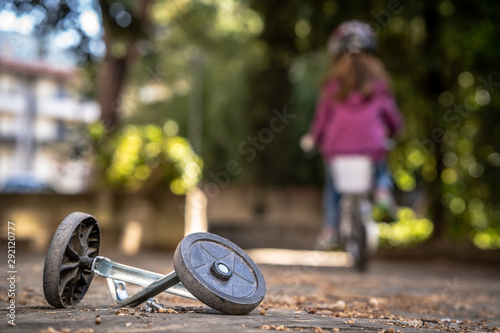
(207, 267)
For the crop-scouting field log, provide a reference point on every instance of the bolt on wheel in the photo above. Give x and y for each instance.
(67, 271)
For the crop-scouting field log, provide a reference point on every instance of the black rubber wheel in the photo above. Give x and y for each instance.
(67, 271)
(219, 273)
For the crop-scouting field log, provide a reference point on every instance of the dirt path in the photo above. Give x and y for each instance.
(392, 297)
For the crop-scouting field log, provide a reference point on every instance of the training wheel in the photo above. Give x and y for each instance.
(219, 273)
(67, 271)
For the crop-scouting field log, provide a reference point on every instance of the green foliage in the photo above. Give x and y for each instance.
(407, 231)
(262, 55)
(219, 39)
(255, 56)
(145, 156)
(445, 79)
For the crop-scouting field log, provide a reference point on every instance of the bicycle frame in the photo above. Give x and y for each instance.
(353, 178)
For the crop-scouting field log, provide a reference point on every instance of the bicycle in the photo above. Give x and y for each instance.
(358, 233)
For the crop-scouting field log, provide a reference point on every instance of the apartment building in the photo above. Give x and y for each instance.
(43, 146)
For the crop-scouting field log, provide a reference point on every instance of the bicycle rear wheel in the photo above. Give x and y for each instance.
(357, 241)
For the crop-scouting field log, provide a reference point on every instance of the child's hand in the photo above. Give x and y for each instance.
(307, 143)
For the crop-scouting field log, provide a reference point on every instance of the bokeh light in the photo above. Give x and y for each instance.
(408, 230)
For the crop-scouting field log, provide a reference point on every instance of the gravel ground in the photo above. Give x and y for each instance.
(393, 296)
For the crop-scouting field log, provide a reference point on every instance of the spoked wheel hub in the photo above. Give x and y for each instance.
(67, 271)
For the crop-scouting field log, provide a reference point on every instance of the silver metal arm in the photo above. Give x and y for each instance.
(153, 283)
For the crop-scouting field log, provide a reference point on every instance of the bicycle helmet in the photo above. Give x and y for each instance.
(352, 37)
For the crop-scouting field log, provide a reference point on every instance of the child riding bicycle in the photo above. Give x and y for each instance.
(356, 114)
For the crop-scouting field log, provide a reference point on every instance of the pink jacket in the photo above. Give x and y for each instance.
(355, 125)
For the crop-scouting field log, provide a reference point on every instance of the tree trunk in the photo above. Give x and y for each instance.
(114, 69)
(434, 84)
(111, 83)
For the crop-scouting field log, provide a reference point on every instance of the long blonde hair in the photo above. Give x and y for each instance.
(357, 72)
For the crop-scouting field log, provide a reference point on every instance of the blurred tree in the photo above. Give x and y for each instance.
(134, 157)
(146, 157)
(221, 36)
(445, 76)
(126, 26)
(447, 119)
(126, 31)
(260, 57)
(443, 67)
